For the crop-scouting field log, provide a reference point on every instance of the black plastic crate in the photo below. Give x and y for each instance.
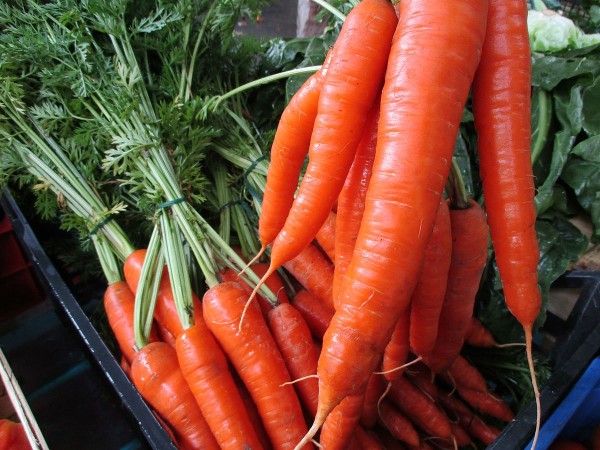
(72, 381)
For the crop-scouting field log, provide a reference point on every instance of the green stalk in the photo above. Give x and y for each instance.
(145, 296)
(108, 260)
(215, 102)
(540, 135)
(336, 12)
(456, 189)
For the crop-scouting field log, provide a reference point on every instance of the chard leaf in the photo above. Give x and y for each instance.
(549, 70)
(590, 108)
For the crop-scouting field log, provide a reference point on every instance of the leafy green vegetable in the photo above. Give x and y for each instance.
(550, 31)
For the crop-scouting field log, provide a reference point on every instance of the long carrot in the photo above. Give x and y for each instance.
(288, 152)
(428, 297)
(314, 272)
(351, 201)
(469, 255)
(396, 351)
(316, 314)
(300, 353)
(502, 111)
(351, 85)
(414, 150)
(339, 428)
(257, 360)
(375, 388)
(325, 237)
(206, 370)
(119, 306)
(156, 374)
(399, 426)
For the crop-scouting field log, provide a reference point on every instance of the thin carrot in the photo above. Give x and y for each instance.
(257, 360)
(399, 426)
(119, 306)
(487, 403)
(316, 314)
(428, 297)
(300, 353)
(314, 272)
(402, 198)
(156, 374)
(465, 375)
(288, 152)
(339, 428)
(469, 255)
(325, 237)
(375, 388)
(502, 111)
(351, 201)
(351, 85)
(420, 408)
(206, 370)
(396, 351)
(367, 440)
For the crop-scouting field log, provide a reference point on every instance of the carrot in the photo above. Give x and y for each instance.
(325, 237)
(132, 268)
(350, 87)
(420, 408)
(367, 440)
(351, 201)
(375, 388)
(288, 152)
(486, 402)
(341, 424)
(156, 374)
(422, 377)
(465, 375)
(502, 112)
(479, 336)
(300, 353)
(257, 360)
(316, 314)
(402, 198)
(396, 351)
(460, 434)
(206, 370)
(428, 297)
(165, 335)
(13, 436)
(119, 306)
(252, 412)
(469, 255)
(125, 366)
(471, 422)
(399, 426)
(314, 272)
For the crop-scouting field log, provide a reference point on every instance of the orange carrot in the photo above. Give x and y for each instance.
(422, 377)
(253, 412)
(325, 237)
(402, 198)
(257, 360)
(119, 306)
(316, 314)
(288, 152)
(314, 272)
(469, 255)
(351, 201)
(428, 297)
(300, 353)
(487, 403)
(396, 351)
(156, 374)
(206, 370)
(399, 426)
(420, 408)
(13, 436)
(502, 111)
(341, 424)
(478, 335)
(375, 388)
(351, 85)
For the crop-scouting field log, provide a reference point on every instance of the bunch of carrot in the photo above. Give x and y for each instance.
(368, 348)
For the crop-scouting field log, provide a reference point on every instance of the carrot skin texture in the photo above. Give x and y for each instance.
(478, 335)
(316, 314)
(339, 428)
(350, 87)
(465, 375)
(351, 201)
(402, 197)
(469, 255)
(428, 297)
(420, 408)
(487, 403)
(119, 305)
(206, 370)
(300, 353)
(314, 272)
(257, 360)
(253, 413)
(375, 388)
(288, 152)
(501, 107)
(399, 426)
(156, 374)
(396, 351)
(326, 236)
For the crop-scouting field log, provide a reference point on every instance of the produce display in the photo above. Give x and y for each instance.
(342, 241)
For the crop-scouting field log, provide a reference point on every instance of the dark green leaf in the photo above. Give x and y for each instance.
(548, 70)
